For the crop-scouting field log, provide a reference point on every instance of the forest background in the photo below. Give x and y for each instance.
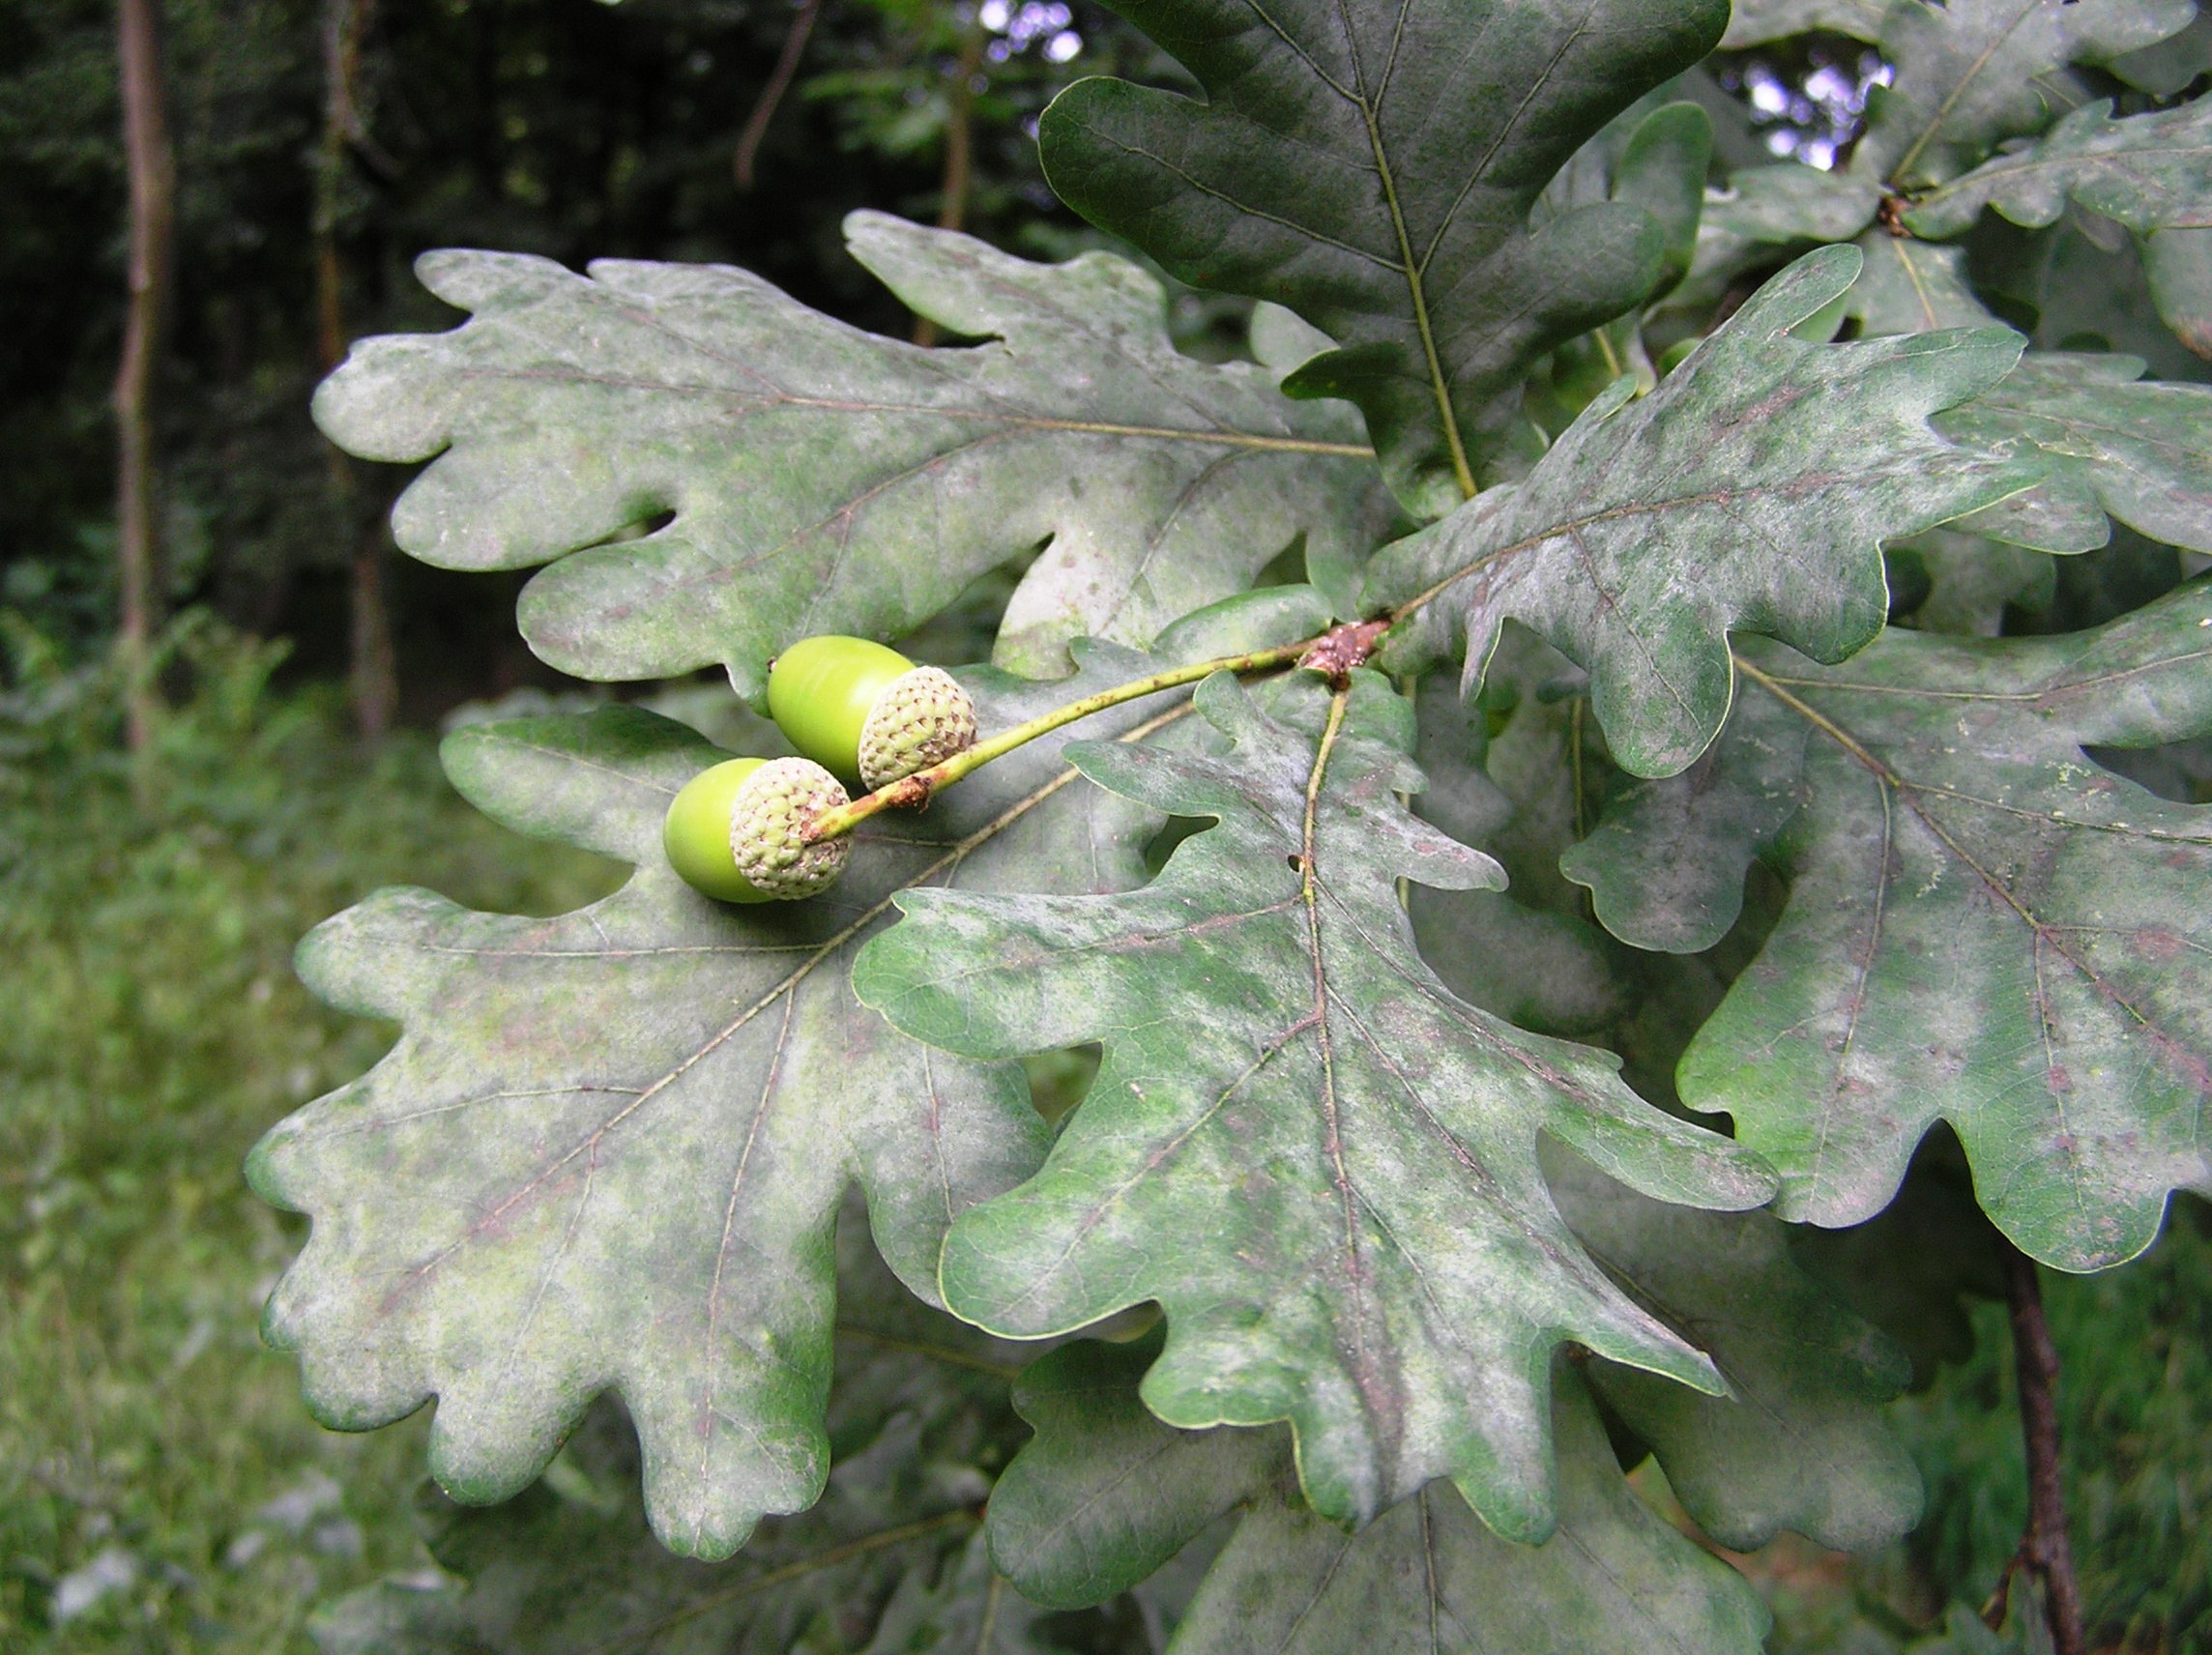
(160, 1485)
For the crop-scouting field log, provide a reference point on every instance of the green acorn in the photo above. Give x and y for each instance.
(768, 816)
(733, 831)
(866, 712)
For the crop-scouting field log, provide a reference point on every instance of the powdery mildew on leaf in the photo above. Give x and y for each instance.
(1753, 22)
(1319, 1163)
(1984, 928)
(2113, 444)
(1104, 1494)
(1971, 74)
(825, 479)
(1373, 166)
(2151, 172)
(1751, 490)
(570, 1567)
(609, 1146)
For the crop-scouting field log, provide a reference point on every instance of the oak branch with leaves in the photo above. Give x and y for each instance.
(1459, 1137)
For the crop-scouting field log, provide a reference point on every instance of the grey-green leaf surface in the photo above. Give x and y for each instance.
(570, 1567)
(608, 1148)
(1801, 1442)
(1755, 22)
(2113, 444)
(1971, 74)
(1912, 287)
(2149, 172)
(1751, 490)
(1765, 212)
(1105, 1494)
(819, 478)
(1984, 928)
(1373, 166)
(1319, 1163)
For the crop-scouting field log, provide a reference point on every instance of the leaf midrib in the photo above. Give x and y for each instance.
(779, 398)
(2045, 934)
(1957, 92)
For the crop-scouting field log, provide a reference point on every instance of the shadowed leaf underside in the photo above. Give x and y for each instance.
(1105, 1494)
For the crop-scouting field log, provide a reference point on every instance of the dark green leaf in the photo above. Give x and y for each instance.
(824, 480)
(1374, 166)
(609, 1146)
(1800, 1442)
(1527, 952)
(1751, 490)
(1984, 928)
(1105, 1494)
(1912, 287)
(1910, 1268)
(1972, 581)
(1319, 1163)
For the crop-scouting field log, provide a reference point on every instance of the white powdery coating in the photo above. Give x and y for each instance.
(767, 823)
(921, 718)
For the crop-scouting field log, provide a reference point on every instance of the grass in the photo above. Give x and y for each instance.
(159, 1477)
(158, 1472)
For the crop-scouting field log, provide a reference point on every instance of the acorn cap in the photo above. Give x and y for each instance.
(921, 718)
(770, 814)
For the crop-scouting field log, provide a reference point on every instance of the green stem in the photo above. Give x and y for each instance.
(916, 789)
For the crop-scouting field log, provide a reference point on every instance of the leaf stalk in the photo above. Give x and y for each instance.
(1334, 654)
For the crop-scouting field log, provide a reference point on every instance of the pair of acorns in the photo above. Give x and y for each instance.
(855, 711)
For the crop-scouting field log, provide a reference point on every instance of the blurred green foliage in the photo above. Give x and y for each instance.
(154, 1460)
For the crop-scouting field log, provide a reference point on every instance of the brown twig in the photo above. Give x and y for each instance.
(1334, 655)
(2044, 1550)
(771, 94)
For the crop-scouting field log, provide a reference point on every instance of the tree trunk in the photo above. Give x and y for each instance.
(152, 168)
(375, 675)
(959, 151)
